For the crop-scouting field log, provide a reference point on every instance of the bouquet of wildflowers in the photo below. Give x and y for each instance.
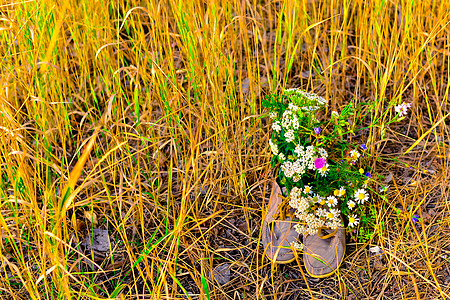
(319, 167)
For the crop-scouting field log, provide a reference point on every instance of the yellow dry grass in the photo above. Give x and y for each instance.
(179, 170)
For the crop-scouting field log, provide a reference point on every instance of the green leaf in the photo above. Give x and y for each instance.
(205, 286)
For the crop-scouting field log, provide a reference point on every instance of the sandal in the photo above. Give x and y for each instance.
(278, 231)
(324, 252)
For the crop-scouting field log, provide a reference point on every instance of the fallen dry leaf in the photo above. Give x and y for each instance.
(92, 217)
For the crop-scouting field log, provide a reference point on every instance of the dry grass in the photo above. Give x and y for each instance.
(179, 170)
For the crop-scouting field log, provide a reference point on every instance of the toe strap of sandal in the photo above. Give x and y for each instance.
(326, 236)
(283, 209)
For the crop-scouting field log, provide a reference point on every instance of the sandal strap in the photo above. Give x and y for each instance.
(327, 236)
(282, 211)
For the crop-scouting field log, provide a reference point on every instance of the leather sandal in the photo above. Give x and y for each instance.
(278, 231)
(324, 252)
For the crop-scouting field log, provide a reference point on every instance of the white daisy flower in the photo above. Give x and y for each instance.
(281, 156)
(307, 189)
(402, 109)
(341, 191)
(315, 198)
(332, 214)
(361, 196)
(353, 221)
(331, 201)
(366, 182)
(351, 204)
(384, 188)
(273, 115)
(354, 155)
(322, 200)
(324, 170)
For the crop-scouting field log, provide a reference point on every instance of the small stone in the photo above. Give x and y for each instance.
(204, 189)
(306, 74)
(98, 240)
(376, 250)
(407, 180)
(222, 274)
(313, 280)
(388, 178)
(378, 263)
(426, 216)
(245, 85)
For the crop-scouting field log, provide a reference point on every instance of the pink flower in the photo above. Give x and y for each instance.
(402, 109)
(320, 163)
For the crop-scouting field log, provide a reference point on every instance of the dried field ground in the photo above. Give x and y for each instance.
(139, 123)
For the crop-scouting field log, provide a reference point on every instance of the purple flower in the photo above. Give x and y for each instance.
(415, 218)
(368, 175)
(320, 162)
(317, 130)
(363, 146)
